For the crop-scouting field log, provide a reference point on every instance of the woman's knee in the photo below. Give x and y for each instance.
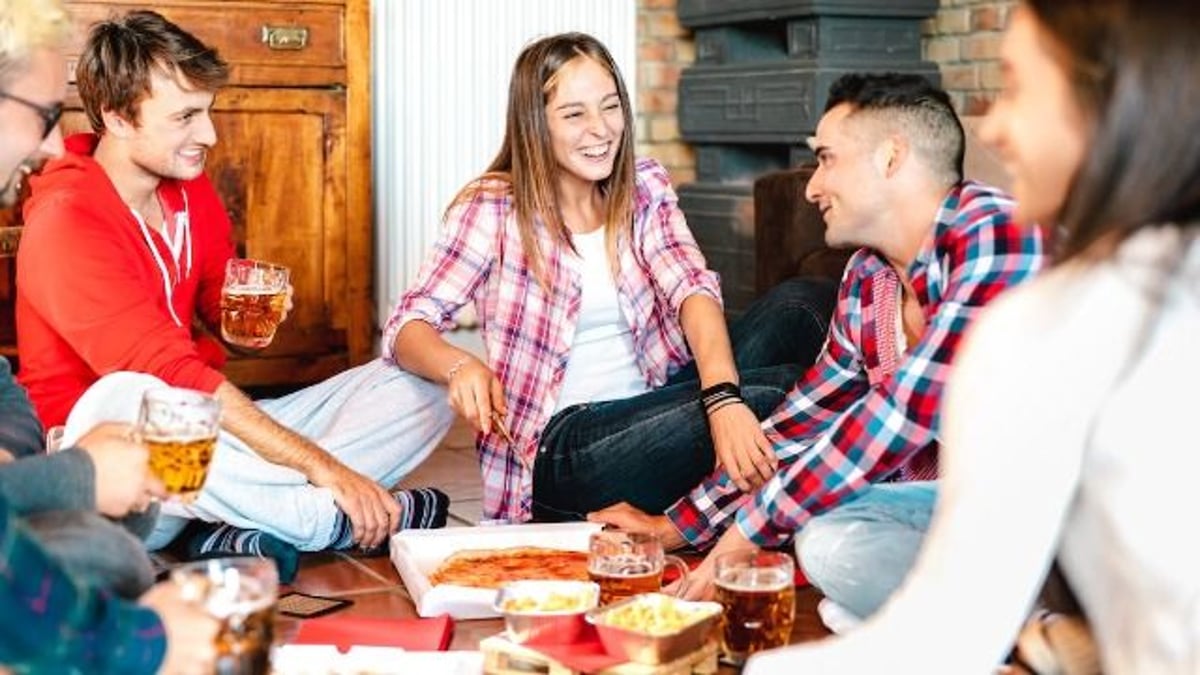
(787, 325)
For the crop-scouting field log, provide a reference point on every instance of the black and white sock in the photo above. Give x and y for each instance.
(420, 509)
(208, 540)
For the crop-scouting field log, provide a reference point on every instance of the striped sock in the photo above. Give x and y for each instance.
(420, 509)
(210, 540)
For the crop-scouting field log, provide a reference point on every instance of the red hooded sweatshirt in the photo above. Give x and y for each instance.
(92, 296)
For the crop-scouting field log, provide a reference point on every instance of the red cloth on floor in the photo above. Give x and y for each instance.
(424, 635)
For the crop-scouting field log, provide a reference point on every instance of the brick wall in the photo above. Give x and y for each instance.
(664, 48)
(963, 39)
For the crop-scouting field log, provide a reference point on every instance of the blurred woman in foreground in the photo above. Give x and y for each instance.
(1061, 438)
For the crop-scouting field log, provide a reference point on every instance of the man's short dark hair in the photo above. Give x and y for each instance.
(115, 67)
(911, 102)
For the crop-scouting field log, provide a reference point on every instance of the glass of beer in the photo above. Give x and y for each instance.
(179, 427)
(252, 302)
(240, 593)
(625, 564)
(757, 592)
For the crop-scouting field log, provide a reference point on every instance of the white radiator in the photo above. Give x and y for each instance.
(440, 90)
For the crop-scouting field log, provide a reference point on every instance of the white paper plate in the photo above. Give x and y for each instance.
(417, 553)
(327, 660)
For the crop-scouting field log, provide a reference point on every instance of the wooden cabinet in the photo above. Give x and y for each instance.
(292, 164)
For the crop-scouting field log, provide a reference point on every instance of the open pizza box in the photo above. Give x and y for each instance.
(417, 553)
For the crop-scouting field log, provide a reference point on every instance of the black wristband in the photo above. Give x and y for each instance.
(725, 402)
(719, 393)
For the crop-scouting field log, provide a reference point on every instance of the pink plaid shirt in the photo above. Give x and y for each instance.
(528, 334)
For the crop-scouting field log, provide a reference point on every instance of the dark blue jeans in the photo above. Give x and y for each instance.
(651, 449)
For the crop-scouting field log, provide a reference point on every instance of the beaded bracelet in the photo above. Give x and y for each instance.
(462, 361)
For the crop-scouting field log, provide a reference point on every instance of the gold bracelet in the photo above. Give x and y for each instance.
(462, 361)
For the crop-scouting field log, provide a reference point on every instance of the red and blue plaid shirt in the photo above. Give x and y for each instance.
(528, 333)
(867, 410)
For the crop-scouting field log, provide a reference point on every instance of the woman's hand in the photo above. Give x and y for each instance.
(476, 393)
(741, 448)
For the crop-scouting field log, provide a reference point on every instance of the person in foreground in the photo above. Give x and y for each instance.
(51, 620)
(65, 499)
(857, 436)
(1061, 437)
(610, 374)
(140, 240)
(68, 499)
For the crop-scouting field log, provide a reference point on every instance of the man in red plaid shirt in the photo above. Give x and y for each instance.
(857, 435)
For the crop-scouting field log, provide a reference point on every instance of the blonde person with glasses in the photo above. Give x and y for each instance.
(52, 621)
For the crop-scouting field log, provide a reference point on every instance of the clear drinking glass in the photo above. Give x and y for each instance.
(757, 592)
(241, 593)
(179, 427)
(625, 564)
(252, 302)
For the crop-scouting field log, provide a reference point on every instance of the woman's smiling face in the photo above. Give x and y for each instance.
(1035, 125)
(586, 121)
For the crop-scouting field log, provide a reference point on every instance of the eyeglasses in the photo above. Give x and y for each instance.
(49, 114)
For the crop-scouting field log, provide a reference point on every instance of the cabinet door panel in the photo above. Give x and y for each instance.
(272, 164)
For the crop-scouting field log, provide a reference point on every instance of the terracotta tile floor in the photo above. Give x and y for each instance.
(375, 587)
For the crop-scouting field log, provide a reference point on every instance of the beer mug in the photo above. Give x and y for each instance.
(252, 302)
(757, 593)
(625, 564)
(179, 427)
(241, 594)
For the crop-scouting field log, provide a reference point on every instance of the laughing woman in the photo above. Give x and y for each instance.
(610, 374)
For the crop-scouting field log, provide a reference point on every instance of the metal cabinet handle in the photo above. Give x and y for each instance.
(285, 38)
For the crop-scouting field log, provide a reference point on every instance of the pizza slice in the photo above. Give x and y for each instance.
(492, 568)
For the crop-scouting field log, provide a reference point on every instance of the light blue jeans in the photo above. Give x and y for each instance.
(858, 553)
(377, 419)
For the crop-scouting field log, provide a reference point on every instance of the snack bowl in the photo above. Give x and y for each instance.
(546, 612)
(654, 628)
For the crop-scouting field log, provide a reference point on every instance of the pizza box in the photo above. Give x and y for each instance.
(417, 553)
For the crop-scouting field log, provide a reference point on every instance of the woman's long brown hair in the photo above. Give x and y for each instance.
(525, 164)
(1133, 68)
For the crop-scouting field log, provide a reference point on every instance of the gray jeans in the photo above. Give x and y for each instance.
(96, 550)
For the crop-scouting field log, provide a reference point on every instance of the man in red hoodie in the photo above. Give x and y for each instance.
(125, 247)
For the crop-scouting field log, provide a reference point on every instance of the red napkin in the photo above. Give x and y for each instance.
(585, 654)
(346, 632)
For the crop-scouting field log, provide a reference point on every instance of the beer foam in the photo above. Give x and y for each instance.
(754, 580)
(180, 438)
(624, 565)
(253, 290)
(237, 596)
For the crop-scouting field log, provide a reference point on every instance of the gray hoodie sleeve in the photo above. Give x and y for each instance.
(64, 480)
(20, 430)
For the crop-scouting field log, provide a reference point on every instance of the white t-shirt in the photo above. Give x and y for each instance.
(601, 366)
(1068, 430)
